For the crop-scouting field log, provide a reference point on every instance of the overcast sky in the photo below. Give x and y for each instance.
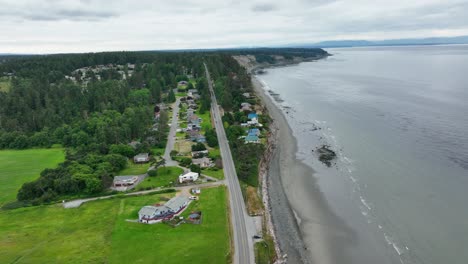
(51, 26)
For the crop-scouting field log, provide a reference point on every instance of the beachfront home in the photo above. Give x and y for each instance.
(252, 139)
(141, 158)
(246, 107)
(188, 177)
(203, 162)
(254, 132)
(151, 214)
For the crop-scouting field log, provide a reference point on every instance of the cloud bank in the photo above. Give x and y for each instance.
(53, 26)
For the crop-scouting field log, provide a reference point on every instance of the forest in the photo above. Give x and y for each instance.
(94, 120)
(94, 104)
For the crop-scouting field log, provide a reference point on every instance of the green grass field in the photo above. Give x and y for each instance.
(214, 153)
(158, 151)
(97, 232)
(206, 120)
(218, 174)
(20, 166)
(165, 176)
(134, 169)
(5, 84)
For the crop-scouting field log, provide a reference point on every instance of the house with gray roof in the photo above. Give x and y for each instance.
(141, 158)
(151, 214)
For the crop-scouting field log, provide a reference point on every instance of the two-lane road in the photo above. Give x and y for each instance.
(243, 244)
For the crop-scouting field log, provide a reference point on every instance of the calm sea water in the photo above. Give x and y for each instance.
(398, 119)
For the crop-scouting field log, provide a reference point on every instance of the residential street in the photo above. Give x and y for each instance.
(172, 135)
(241, 222)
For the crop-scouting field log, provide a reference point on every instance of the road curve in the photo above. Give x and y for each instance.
(243, 245)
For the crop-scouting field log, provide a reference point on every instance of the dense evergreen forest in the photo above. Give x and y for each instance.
(95, 104)
(95, 117)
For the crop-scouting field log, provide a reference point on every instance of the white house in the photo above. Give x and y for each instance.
(141, 158)
(188, 176)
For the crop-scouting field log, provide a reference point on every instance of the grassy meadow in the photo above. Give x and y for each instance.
(20, 166)
(134, 168)
(165, 176)
(97, 232)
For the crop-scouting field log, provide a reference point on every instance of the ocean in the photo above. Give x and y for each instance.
(397, 117)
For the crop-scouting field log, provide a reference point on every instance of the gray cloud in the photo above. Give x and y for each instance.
(73, 15)
(96, 25)
(265, 7)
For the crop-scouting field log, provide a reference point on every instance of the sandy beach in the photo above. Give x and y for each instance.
(306, 229)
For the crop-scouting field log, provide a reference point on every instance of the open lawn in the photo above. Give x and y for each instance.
(20, 166)
(214, 153)
(134, 169)
(165, 176)
(218, 174)
(5, 85)
(159, 243)
(97, 232)
(183, 146)
(158, 151)
(206, 119)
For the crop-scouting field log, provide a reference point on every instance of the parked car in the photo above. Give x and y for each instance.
(193, 198)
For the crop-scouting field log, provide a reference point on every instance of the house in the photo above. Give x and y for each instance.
(254, 132)
(252, 139)
(190, 113)
(182, 83)
(246, 107)
(194, 135)
(194, 121)
(203, 162)
(151, 214)
(188, 177)
(141, 158)
(134, 144)
(246, 95)
(124, 181)
(200, 153)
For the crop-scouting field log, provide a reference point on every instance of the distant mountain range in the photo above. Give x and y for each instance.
(389, 42)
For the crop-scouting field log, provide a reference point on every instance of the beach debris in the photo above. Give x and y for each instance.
(326, 155)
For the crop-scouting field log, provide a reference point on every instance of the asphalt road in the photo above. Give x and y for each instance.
(243, 244)
(172, 135)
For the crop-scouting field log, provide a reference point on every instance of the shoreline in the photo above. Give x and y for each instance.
(314, 235)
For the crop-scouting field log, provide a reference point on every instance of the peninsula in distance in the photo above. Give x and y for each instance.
(231, 132)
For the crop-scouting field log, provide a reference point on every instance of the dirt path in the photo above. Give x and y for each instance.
(184, 189)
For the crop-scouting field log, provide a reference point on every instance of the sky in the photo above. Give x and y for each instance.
(56, 26)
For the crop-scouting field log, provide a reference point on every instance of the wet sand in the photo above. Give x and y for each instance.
(306, 229)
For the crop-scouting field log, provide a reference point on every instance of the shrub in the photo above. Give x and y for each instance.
(152, 173)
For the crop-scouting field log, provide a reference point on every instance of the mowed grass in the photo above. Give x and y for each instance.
(218, 174)
(166, 176)
(20, 166)
(97, 232)
(205, 243)
(134, 169)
